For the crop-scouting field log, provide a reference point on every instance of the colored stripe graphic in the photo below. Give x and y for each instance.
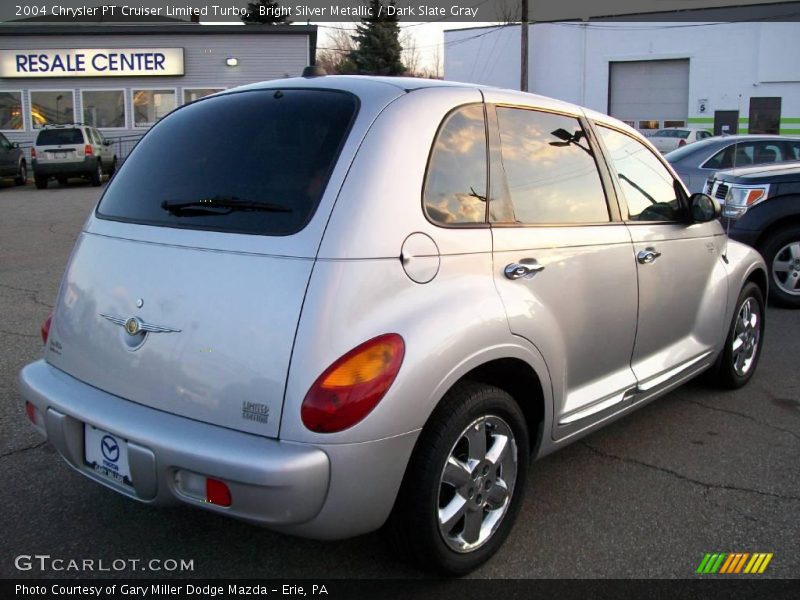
(730, 563)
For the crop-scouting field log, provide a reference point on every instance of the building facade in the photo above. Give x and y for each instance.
(122, 78)
(721, 76)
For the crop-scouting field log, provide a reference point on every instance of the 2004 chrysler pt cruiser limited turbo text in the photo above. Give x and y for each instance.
(321, 304)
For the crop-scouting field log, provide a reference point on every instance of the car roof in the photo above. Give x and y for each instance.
(359, 84)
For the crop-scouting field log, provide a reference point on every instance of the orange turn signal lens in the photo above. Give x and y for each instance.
(754, 196)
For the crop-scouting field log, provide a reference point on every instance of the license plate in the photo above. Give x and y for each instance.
(61, 155)
(107, 454)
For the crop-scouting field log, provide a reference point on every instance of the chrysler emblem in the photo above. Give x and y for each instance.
(134, 326)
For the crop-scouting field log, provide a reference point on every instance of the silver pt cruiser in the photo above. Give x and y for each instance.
(321, 304)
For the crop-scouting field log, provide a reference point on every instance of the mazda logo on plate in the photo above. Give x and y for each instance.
(110, 448)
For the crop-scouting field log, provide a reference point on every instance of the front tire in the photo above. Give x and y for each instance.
(739, 358)
(465, 481)
(782, 254)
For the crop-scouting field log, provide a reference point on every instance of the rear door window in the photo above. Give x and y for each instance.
(550, 170)
(252, 162)
(59, 137)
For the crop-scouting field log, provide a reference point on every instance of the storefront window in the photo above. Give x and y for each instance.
(11, 110)
(52, 108)
(190, 95)
(151, 105)
(104, 108)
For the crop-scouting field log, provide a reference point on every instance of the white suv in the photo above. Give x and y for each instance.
(73, 150)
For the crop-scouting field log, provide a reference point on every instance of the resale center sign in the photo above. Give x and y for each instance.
(91, 62)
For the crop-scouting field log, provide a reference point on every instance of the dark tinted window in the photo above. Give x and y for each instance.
(550, 170)
(792, 150)
(743, 154)
(455, 186)
(647, 185)
(262, 146)
(54, 137)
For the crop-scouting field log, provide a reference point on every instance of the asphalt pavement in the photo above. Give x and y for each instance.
(697, 471)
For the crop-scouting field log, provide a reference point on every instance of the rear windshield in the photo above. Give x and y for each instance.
(58, 137)
(249, 162)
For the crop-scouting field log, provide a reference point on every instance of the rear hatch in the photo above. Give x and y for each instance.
(185, 291)
(60, 145)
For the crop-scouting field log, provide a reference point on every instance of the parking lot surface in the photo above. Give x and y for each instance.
(697, 471)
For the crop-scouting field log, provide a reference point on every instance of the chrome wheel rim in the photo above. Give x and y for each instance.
(747, 334)
(477, 484)
(786, 268)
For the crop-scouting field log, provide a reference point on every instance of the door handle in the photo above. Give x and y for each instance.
(647, 256)
(524, 269)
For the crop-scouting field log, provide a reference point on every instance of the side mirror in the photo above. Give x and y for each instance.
(704, 208)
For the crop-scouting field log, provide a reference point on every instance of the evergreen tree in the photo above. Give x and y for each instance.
(253, 16)
(378, 50)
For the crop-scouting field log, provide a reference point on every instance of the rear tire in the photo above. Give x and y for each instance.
(465, 481)
(782, 254)
(22, 175)
(97, 175)
(41, 182)
(739, 358)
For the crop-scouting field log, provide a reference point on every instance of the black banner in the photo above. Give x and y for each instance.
(422, 589)
(301, 11)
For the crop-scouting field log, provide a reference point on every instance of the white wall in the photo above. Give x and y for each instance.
(728, 63)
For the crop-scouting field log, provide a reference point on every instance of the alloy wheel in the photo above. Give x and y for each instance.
(477, 484)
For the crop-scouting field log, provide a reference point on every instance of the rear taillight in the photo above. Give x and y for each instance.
(46, 328)
(353, 385)
(88, 150)
(33, 152)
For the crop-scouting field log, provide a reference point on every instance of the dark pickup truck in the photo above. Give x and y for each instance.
(761, 207)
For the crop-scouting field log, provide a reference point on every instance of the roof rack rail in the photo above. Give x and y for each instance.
(57, 125)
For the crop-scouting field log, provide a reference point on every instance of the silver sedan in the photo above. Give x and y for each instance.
(695, 163)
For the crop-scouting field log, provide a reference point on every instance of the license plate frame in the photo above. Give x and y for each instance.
(107, 455)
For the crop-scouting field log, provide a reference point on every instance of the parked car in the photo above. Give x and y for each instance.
(762, 207)
(696, 163)
(12, 161)
(328, 319)
(675, 137)
(63, 151)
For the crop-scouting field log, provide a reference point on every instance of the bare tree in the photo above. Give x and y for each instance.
(411, 54)
(333, 54)
(508, 11)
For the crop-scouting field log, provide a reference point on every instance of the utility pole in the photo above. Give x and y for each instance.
(523, 74)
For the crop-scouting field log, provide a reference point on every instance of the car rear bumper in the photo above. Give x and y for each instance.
(271, 482)
(86, 166)
(324, 491)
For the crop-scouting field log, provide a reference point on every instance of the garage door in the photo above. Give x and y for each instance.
(649, 94)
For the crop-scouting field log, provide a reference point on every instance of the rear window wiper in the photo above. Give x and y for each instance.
(220, 206)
